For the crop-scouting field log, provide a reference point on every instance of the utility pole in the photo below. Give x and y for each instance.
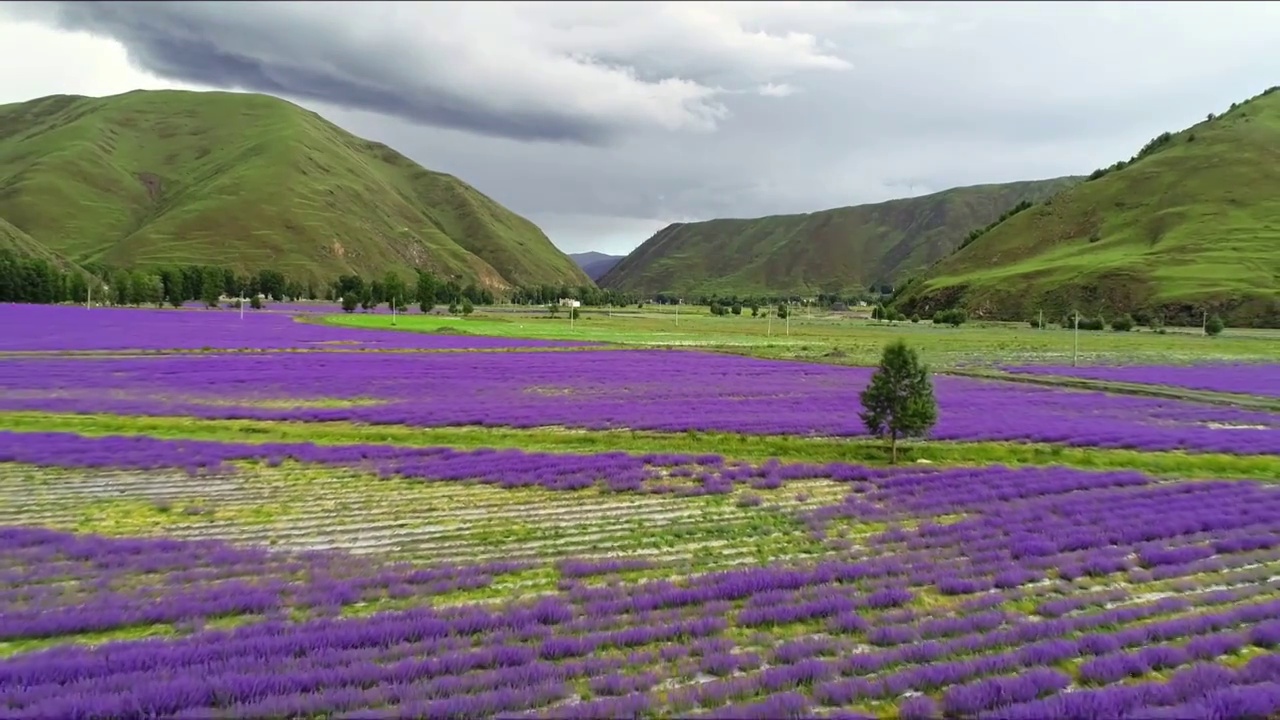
(677, 312)
(572, 309)
(769, 314)
(1204, 323)
(1042, 319)
(1075, 351)
(394, 301)
(788, 319)
(88, 302)
(241, 304)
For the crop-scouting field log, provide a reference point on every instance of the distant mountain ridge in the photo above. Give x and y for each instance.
(1189, 225)
(595, 264)
(151, 179)
(830, 250)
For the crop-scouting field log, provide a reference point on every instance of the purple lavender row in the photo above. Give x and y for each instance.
(58, 328)
(1203, 690)
(1026, 524)
(939, 673)
(1018, 494)
(652, 390)
(618, 471)
(1053, 521)
(126, 671)
(1240, 378)
(261, 583)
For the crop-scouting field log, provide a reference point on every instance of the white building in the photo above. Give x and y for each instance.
(569, 303)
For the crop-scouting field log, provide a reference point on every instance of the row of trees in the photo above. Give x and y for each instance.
(36, 280)
(588, 295)
(821, 300)
(782, 310)
(429, 291)
(27, 279)
(1213, 324)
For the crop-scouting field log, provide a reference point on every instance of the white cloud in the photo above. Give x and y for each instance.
(40, 61)
(776, 90)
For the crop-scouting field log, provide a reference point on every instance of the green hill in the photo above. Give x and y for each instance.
(11, 238)
(161, 178)
(831, 250)
(1191, 223)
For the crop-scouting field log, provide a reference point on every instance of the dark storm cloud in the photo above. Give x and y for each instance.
(528, 71)
(171, 41)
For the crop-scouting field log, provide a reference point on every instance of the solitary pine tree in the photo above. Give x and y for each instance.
(899, 400)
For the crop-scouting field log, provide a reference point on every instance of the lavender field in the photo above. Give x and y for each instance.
(663, 390)
(55, 328)
(199, 569)
(1242, 379)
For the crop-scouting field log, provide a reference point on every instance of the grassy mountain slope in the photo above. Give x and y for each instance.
(154, 178)
(844, 248)
(595, 264)
(1192, 223)
(11, 238)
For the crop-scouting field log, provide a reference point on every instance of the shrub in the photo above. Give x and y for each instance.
(255, 302)
(1093, 323)
(954, 318)
(915, 318)
(1123, 323)
(1214, 325)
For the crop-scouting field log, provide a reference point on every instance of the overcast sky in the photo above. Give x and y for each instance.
(604, 122)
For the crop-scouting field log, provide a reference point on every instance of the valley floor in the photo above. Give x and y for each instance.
(512, 515)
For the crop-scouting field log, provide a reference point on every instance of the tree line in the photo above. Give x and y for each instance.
(430, 291)
(824, 299)
(28, 279)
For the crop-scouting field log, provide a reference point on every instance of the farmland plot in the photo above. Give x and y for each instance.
(670, 391)
(960, 591)
(45, 328)
(144, 576)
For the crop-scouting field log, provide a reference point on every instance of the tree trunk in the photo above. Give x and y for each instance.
(893, 448)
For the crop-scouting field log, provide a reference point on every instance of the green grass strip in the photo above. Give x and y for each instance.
(734, 446)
